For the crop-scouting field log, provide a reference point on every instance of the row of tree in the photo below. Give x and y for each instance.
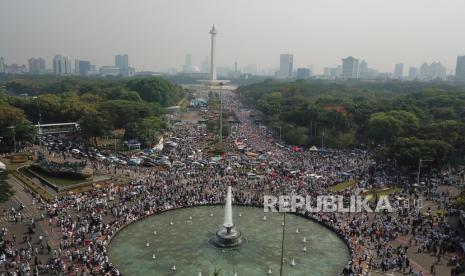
(401, 121)
(99, 106)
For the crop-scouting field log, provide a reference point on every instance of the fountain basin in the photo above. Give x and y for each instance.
(185, 244)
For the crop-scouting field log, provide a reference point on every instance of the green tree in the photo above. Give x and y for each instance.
(15, 126)
(295, 135)
(94, 125)
(156, 90)
(6, 191)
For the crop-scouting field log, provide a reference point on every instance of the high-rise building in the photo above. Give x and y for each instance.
(363, 69)
(303, 73)
(61, 65)
(205, 67)
(412, 73)
(460, 69)
(2, 65)
(122, 61)
(432, 71)
(286, 63)
(350, 68)
(188, 67)
(37, 66)
(82, 67)
(15, 69)
(399, 71)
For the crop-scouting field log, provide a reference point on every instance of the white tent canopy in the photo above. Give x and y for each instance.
(313, 148)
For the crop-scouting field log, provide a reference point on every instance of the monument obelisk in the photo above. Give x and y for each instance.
(213, 33)
(213, 82)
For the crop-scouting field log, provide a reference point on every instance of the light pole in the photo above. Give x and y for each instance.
(221, 116)
(419, 168)
(282, 246)
(14, 137)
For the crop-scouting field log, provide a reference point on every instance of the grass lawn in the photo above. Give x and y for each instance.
(344, 185)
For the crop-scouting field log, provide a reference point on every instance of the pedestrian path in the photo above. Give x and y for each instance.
(26, 213)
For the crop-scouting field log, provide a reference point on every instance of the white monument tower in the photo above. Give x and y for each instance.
(213, 33)
(213, 82)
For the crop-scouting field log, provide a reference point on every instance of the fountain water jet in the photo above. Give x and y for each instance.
(227, 236)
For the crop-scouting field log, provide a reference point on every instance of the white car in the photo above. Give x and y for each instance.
(121, 162)
(75, 151)
(135, 161)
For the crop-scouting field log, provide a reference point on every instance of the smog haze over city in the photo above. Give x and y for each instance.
(158, 34)
(239, 137)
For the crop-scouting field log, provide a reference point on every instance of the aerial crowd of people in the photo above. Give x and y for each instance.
(76, 229)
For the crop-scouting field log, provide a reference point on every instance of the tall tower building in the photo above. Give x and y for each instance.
(213, 33)
(460, 69)
(82, 67)
(412, 73)
(399, 71)
(36, 65)
(188, 68)
(286, 64)
(303, 73)
(205, 67)
(61, 65)
(350, 68)
(122, 61)
(363, 69)
(2, 65)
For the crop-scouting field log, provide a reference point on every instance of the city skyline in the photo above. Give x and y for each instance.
(312, 34)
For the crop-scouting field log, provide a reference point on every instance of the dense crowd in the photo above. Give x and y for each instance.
(86, 222)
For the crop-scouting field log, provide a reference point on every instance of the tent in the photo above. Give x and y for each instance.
(2, 166)
(313, 148)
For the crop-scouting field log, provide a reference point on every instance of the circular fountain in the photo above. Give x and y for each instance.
(205, 245)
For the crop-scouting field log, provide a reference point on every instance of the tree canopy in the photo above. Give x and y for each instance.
(404, 120)
(99, 105)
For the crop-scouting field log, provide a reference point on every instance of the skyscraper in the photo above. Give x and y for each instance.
(2, 65)
(82, 67)
(285, 66)
(61, 65)
(122, 61)
(188, 67)
(350, 68)
(205, 67)
(432, 71)
(412, 73)
(460, 69)
(363, 69)
(303, 73)
(37, 66)
(399, 71)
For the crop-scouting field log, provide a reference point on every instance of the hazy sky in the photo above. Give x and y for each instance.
(157, 34)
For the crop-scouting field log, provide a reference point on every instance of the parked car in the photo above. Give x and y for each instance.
(135, 161)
